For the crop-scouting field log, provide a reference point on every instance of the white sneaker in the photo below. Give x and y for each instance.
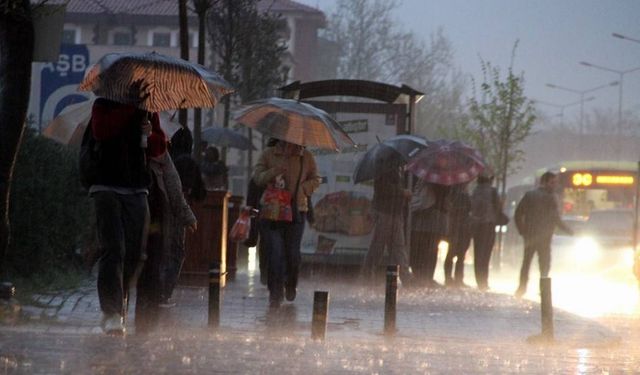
(113, 325)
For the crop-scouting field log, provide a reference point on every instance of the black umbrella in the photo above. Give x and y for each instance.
(225, 137)
(386, 155)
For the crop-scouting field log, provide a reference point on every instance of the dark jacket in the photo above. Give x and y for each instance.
(485, 204)
(388, 193)
(459, 218)
(537, 215)
(121, 160)
(434, 219)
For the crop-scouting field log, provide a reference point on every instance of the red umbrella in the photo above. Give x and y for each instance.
(446, 162)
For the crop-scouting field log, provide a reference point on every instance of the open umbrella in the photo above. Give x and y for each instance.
(154, 82)
(384, 155)
(225, 137)
(295, 122)
(446, 162)
(68, 127)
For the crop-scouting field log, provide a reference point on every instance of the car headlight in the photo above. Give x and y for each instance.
(587, 249)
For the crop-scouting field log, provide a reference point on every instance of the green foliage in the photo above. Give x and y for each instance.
(500, 120)
(49, 211)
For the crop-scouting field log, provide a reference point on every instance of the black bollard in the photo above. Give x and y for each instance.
(391, 296)
(214, 295)
(546, 308)
(320, 312)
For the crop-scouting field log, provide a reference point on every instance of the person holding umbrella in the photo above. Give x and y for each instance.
(389, 201)
(459, 235)
(295, 167)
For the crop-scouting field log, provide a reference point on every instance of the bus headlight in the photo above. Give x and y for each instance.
(587, 249)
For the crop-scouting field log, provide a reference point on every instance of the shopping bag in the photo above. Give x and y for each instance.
(275, 204)
(241, 228)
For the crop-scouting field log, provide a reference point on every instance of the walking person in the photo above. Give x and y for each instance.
(122, 137)
(295, 168)
(429, 227)
(536, 217)
(485, 205)
(389, 203)
(214, 171)
(459, 235)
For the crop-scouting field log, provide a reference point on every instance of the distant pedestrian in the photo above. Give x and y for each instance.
(214, 171)
(429, 226)
(485, 205)
(296, 168)
(124, 137)
(536, 217)
(389, 204)
(458, 235)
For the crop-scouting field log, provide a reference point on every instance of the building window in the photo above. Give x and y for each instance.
(159, 39)
(122, 38)
(69, 36)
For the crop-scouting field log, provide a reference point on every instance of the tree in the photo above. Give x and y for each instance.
(16, 55)
(371, 46)
(501, 119)
(248, 50)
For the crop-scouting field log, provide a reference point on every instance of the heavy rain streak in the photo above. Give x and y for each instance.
(319, 186)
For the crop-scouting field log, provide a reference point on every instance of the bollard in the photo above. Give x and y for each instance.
(320, 312)
(546, 308)
(214, 295)
(391, 296)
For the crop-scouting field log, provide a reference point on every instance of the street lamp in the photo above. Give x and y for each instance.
(581, 101)
(620, 36)
(563, 106)
(621, 73)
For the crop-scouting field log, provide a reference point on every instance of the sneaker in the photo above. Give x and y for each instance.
(290, 293)
(113, 325)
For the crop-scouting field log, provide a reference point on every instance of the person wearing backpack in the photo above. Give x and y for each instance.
(115, 170)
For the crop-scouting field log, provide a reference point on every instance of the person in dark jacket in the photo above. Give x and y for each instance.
(484, 206)
(459, 235)
(125, 137)
(389, 202)
(536, 217)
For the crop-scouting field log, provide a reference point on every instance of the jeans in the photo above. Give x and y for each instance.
(458, 244)
(122, 222)
(281, 243)
(484, 236)
(542, 246)
(389, 234)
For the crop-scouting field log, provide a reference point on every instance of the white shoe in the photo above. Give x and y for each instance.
(113, 325)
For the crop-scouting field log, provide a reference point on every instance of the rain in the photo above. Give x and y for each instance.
(293, 150)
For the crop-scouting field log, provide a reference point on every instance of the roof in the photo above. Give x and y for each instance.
(351, 87)
(286, 6)
(130, 7)
(170, 7)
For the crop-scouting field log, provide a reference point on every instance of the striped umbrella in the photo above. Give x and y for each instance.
(446, 162)
(295, 122)
(154, 82)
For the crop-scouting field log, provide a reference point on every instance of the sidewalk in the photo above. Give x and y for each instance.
(355, 311)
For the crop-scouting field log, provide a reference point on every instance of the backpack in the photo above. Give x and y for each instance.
(89, 158)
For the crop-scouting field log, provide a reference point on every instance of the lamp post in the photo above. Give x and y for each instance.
(563, 106)
(620, 36)
(582, 100)
(620, 73)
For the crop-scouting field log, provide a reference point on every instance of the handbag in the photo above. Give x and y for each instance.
(241, 228)
(275, 204)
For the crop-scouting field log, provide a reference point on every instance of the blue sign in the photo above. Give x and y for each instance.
(59, 81)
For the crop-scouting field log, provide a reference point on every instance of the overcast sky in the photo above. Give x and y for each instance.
(555, 35)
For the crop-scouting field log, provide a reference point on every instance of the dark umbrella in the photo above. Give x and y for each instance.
(225, 137)
(446, 162)
(154, 82)
(387, 154)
